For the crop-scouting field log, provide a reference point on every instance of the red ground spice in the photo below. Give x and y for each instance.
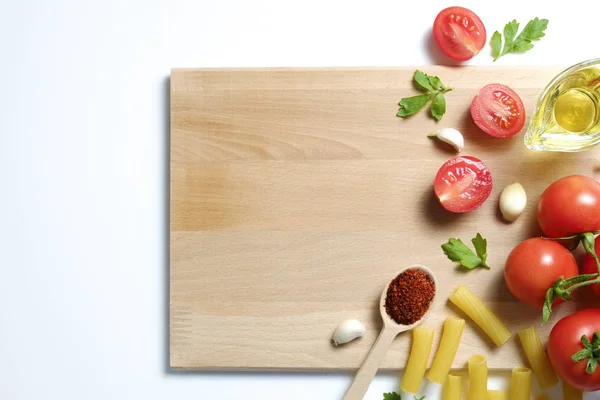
(409, 296)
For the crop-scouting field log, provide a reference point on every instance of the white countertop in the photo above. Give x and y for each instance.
(83, 298)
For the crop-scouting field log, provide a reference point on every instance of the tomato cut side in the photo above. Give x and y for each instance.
(459, 33)
(498, 111)
(462, 184)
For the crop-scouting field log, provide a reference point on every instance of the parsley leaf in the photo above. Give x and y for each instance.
(480, 247)
(456, 250)
(436, 83)
(438, 106)
(510, 31)
(433, 88)
(496, 43)
(423, 81)
(534, 30)
(412, 105)
(391, 396)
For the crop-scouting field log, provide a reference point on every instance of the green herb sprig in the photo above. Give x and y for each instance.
(456, 250)
(534, 30)
(434, 90)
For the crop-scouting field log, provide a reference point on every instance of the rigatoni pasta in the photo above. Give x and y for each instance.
(417, 361)
(478, 376)
(481, 314)
(570, 393)
(453, 387)
(496, 395)
(453, 329)
(538, 360)
(542, 396)
(520, 384)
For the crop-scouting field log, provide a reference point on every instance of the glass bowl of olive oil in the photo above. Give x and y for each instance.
(567, 114)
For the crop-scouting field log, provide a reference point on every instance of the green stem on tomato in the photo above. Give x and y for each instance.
(575, 239)
(589, 246)
(547, 308)
(593, 278)
(562, 288)
(589, 353)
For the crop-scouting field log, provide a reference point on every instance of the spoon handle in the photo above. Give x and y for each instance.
(369, 367)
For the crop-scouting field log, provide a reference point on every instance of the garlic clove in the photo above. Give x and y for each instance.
(347, 331)
(513, 201)
(450, 136)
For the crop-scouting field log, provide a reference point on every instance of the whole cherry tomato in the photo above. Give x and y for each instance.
(570, 206)
(534, 265)
(565, 340)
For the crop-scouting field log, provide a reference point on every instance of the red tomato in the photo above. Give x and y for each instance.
(565, 340)
(589, 265)
(498, 111)
(462, 184)
(459, 33)
(534, 265)
(569, 206)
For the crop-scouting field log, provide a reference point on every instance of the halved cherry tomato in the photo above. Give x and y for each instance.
(498, 111)
(459, 33)
(462, 184)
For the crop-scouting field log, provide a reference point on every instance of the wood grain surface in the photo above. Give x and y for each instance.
(296, 195)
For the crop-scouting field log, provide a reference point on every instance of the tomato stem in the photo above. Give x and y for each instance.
(591, 278)
(562, 288)
(575, 239)
(590, 352)
(588, 245)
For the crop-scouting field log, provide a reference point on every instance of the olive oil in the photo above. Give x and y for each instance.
(567, 115)
(575, 111)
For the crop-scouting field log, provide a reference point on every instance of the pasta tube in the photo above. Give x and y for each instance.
(538, 360)
(453, 388)
(570, 393)
(478, 376)
(481, 314)
(496, 395)
(542, 396)
(520, 384)
(417, 361)
(453, 328)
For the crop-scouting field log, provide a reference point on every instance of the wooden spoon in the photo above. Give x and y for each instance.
(389, 331)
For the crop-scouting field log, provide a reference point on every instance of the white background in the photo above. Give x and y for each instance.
(84, 125)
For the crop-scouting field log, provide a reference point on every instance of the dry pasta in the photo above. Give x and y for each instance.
(496, 395)
(453, 388)
(481, 314)
(542, 396)
(538, 360)
(478, 376)
(417, 361)
(453, 328)
(520, 384)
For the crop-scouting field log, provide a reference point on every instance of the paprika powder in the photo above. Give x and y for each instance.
(409, 296)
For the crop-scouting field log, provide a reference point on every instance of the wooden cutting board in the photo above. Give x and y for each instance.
(296, 195)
